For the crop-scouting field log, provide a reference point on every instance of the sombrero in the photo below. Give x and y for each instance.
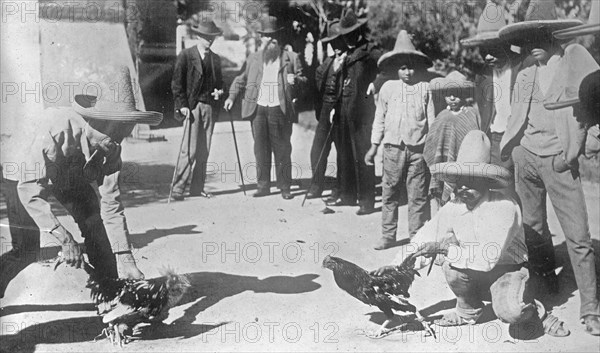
(269, 26)
(540, 21)
(473, 164)
(350, 23)
(592, 27)
(404, 52)
(454, 83)
(206, 28)
(116, 106)
(492, 19)
(333, 31)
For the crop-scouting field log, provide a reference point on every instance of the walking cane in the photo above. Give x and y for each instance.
(237, 153)
(185, 128)
(312, 179)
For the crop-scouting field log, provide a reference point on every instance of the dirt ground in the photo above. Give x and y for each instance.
(255, 269)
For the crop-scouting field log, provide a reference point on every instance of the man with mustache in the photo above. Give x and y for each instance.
(494, 84)
(271, 79)
(545, 146)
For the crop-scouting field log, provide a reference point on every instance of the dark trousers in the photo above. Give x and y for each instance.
(495, 139)
(404, 167)
(357, 180)
(195, 150)
(272, 134)
(535, 179)
(322, 143)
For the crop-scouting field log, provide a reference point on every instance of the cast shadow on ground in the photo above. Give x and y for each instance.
(86, 329)
(216, 286)
(140, 240)
(17, 309)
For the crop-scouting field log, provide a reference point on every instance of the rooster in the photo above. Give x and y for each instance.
(124, 303)
(388, 292)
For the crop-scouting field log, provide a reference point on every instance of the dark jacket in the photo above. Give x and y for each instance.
(250, 80)
(188, 77)
(358, 71)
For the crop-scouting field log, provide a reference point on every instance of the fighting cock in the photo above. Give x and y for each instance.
(387, 292)
(124, 303)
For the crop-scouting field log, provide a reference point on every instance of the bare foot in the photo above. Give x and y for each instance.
(127, 268)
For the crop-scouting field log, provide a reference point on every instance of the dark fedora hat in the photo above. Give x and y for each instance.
(269, 25)
(206, 28)
(333, 31)
(350, 23)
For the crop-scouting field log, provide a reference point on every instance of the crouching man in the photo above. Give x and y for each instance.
(480, 232)
(61, 154)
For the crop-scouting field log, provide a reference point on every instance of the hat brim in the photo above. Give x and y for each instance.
(494, 176)
(360, 22)
(522, 32)
(576, 31)
(398, 58)
(561, 104)
(271, 31)
(329, 39)
(82, 105)
(442, 84)
(482, 39)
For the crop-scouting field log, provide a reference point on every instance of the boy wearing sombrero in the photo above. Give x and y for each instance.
(197, 88)
(65, 151)
(464, 230)
(404, 113)
(544, 145)
(450, 126)
(495, 81)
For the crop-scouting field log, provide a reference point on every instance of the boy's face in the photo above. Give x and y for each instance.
(454, 102)
(406, 73)
(494, 56)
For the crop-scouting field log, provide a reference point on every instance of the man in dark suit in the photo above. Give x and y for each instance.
(271, 78)
(197, 86)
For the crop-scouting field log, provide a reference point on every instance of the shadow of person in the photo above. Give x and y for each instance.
(84, 329)
(140, 240)
(215, 286)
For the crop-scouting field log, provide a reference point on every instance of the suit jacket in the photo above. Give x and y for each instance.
(574, 64)
(250, 81)
(189, 75)
(358, 71)
(485, 94)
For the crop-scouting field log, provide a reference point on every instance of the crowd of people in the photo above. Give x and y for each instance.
(476, 172)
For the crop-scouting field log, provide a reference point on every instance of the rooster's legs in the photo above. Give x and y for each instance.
(425, 324)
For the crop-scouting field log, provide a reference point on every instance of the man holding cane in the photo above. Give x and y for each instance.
(197, 87)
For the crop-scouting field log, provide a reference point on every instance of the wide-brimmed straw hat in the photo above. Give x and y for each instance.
(333, 31)
(350, 23)
(206, 28)
(492, 19)
(473, 164)
(592, 27)
(404, 53)
(455, 83)
(116, 106)
(540, 22)
(269, 25)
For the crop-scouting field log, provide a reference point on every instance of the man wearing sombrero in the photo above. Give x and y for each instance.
(357, 180)
(466, 229)
(197, 88)
(61, 154)
(545, 146)
(272, 79)
(495, 82)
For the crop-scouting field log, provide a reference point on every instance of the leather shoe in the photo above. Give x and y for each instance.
(592, 324)
(364, 210)
(340, 202)
(286, 195)
(177, 197)
(261, 193)
(313, 194)
(384, 243)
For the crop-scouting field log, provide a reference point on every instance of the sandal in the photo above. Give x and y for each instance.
(592, 325)
(555, 327)
(453, 319)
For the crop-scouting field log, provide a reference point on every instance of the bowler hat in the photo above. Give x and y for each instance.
(269, 25)
(206, 28)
